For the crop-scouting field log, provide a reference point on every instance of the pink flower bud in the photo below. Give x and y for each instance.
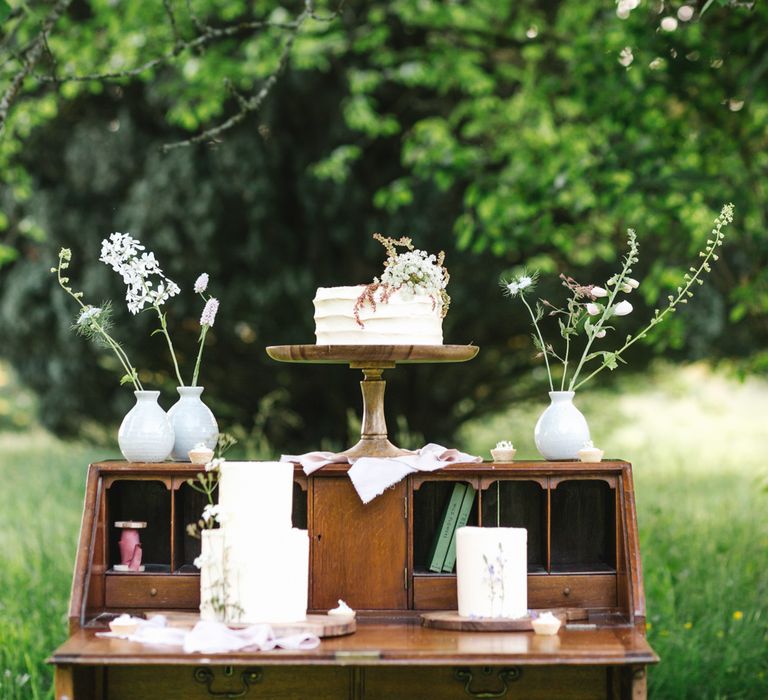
(599, 292)
(593, 309)
(600, 334)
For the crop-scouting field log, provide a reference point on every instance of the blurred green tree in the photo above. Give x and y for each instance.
(509, 134)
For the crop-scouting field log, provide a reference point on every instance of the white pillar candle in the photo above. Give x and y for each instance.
(256, 495)
(492, 571)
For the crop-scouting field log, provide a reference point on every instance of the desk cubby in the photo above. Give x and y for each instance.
(574, 515)
(145, 500)
(160, 495)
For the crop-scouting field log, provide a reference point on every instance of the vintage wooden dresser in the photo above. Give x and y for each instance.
(583, 555)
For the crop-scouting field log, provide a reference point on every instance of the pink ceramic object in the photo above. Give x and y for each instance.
(130, 544)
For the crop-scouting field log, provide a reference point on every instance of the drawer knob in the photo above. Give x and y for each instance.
(153, 592)
(567, 591)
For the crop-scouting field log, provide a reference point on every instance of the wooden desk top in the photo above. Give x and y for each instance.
(378, 644)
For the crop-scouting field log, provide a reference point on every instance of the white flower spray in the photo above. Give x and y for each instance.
(123, 254)
(585, 313)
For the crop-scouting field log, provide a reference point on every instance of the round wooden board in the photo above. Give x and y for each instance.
(345, 354)
(321, 625)
(451, 620)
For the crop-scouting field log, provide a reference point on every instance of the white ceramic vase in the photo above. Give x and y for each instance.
(146, 434)
(192, 423)
(213, 583)
(561, 430)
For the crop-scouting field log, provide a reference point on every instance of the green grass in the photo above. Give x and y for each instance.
(698, 446)
(697, 442)
(43, 482)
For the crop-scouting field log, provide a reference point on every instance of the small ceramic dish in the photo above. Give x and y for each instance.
(590, 454)
(125, 625)
(200, 455)
(503, 454)
(342, 611)
(546, 623)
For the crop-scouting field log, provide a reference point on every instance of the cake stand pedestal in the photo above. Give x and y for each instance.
(372, 360)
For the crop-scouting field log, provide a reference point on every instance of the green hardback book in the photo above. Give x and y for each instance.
(445, 531)
(461, 521)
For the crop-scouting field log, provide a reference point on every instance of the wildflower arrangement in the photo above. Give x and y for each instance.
(95, 322)
(592, 309)
(218, 596)
(410, 272)
(206, 482)
(147, 287)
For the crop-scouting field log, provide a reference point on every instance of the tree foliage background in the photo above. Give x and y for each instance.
(507, 133)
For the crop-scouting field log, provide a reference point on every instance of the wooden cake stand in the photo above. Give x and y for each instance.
(373, 360)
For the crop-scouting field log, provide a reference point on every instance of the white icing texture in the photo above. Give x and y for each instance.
(402, 320)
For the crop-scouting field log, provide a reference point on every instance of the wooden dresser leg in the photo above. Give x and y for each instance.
(639, 683)
(64, 683)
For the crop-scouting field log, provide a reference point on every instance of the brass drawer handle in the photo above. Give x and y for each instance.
(205, 676)
(505, 675)
(153, 592)
(567, 591)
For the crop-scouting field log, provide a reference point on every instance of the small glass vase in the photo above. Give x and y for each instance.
(193, 423)
(561, 430)
(146, 434)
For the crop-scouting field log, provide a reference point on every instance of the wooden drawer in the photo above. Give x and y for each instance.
(457, 683)
(434, 593)
(147, 591)
(205, 682)
(572, 591)
(552, 591)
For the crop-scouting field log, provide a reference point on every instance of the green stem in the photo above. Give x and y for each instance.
(541, 340)
(203, 333)
(565, 362)
(122, 356)
(164, 329)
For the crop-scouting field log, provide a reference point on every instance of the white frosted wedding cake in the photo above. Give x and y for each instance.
(492, 571)
(406, 306)
(257, 566)
(402, 320)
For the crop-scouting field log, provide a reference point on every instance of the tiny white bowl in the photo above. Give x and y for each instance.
(342, 616)
(591, 454)
(503, 454)
(200, 456)
(124, 628)
(548, 625)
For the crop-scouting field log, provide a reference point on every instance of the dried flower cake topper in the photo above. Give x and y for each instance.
(411, 272)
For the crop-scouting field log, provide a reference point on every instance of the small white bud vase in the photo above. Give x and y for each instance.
(193, 423)
(146, 434)
(561, 430)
